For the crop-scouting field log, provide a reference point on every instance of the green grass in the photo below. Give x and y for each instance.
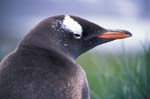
(121, 76)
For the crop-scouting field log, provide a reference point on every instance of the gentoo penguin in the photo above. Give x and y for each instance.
(43, 64)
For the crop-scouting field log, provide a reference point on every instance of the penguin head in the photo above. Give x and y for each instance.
(71, 35)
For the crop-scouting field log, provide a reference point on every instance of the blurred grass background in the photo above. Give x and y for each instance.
(118, 76)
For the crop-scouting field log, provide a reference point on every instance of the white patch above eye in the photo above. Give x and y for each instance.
(72, 25)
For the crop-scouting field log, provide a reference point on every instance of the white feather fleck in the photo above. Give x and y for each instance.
(65, 45)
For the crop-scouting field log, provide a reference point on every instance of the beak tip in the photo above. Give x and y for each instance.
(128, 33)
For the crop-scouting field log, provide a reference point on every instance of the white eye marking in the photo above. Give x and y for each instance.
(73, 26)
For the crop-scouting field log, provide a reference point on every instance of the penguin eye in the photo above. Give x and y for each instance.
(77, 36)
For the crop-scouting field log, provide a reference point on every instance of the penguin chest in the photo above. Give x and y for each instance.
(71, 86)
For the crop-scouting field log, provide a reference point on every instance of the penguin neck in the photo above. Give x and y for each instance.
(48, 52)
(66, 50)
(41, 43)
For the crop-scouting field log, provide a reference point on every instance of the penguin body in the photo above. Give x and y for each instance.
(43, 65)
(32, 74)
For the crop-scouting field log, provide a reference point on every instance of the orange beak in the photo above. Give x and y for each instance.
(120, 34)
